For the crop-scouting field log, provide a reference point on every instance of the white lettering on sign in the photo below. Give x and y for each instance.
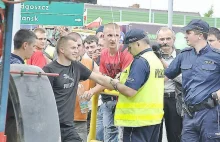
(34, 7)
(78, 20)
(29, 18)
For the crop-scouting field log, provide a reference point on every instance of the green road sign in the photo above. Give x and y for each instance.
(2, 5)
(56, 13)
(52, 8)
(46, 19)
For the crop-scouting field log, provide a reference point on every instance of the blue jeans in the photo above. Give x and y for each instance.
(203, 127)
(99, 124)
(110, 131)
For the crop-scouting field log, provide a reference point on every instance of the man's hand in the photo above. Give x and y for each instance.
(157, 51)
(88, 94)
(158, 54)
(218, 94)
(62, 31)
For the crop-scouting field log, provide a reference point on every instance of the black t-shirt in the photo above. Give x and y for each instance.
(65, 87)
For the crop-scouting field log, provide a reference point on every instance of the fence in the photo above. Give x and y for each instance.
(135, 16)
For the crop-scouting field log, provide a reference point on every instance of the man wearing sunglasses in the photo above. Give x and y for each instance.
(38, 58)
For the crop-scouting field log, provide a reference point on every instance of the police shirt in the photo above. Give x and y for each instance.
(139, 71)
(200, 73)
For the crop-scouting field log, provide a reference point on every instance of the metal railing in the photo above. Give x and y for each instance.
(92, 131)
(135, 16)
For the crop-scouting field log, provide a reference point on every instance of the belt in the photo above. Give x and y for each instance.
(112, 98)
(170, 95)
(206, 104)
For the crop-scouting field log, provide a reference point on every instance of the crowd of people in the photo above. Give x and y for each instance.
(177, 88)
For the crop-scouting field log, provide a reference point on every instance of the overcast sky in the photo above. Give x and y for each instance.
(201, 6)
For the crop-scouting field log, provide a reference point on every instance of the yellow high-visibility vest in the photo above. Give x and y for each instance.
(146, 107)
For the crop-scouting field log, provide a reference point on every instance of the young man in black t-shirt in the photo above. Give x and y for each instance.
(65, 85)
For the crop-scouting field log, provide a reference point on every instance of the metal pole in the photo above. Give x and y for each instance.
(34, 73)
(150, 13)
(16, 21)
(170, 14)
(4, 78)
(184, 20)
(120, 15)
(215, 22)
(92, 132)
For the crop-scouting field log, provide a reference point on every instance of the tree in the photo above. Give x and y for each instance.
(210, 12)
(135, 6)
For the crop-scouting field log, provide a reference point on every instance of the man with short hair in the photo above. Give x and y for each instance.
(140, 103)
(80, 119)
(173, 121)
(24, 45)
(91, 44)
(214, 37)
(66, 84)
(200, 68)
(38, 58)
(98, 50)
(113, 61)
(81, 48)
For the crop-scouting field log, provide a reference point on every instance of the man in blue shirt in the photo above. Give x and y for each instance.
(200, 68)
(24, 45)
(214, 37)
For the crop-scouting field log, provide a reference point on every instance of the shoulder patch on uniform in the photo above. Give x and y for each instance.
(215, 50)
(186, 49)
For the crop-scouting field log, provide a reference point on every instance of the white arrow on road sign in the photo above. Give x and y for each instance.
(78, 20)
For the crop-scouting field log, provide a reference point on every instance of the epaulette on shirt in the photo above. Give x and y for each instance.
(216, 50)
(186, 49)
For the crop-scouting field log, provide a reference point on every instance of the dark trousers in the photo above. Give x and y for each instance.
(141, 134)
(88, 121)
(203, 127)
(173, 121)
(69, 134)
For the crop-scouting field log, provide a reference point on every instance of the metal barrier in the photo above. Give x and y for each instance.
(92, 131)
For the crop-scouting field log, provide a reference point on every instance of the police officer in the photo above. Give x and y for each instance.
(173, 121)
(214, 37)
(140, 104)
(200, 68)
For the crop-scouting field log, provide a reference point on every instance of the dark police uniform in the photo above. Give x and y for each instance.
(200, 78)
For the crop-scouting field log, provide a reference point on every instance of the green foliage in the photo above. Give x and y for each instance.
(210, 12)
